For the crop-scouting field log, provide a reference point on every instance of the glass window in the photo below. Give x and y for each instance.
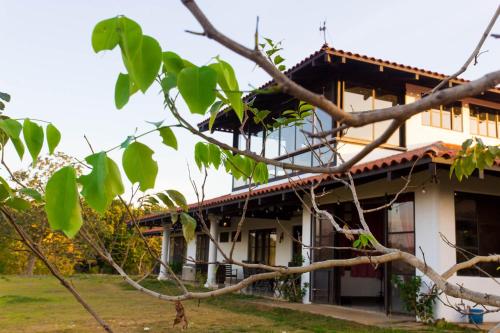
(484, 121)
(262, 246)
(426, 118)
(436, 117)
(477, 229)
(400, 217)
(358, 99)
(287, 140)
(483, 125)
(322, 121)
(473, 121)
(303, 159)
(323, 156)
(272, 144)
(242, 142)
(446, 117)
(457, 118)
(256, 142)
(303, 141)
(385, 101)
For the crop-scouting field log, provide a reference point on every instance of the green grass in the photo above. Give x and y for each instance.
(40, 304)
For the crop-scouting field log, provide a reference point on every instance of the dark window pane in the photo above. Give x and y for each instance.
(404, 242)
(224, 237)
(322, 122)
(477, 229)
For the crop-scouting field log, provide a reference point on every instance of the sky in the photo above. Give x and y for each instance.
(48, 66)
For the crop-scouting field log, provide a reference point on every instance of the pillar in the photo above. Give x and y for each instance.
(165, 251)
(212, 252)
(306, 252)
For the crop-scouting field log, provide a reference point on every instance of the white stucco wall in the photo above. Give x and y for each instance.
(434, 213)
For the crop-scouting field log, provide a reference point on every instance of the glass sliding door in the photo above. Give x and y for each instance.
(262, 246)
(401, 235)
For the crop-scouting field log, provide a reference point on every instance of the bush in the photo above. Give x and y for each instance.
(289, 286)
(414, 300)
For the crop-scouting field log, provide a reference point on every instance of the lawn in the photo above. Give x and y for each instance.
(40, 304)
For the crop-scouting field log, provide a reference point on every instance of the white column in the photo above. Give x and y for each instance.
(212, 252)
(165, 251)
(189, 267)
(306, 252)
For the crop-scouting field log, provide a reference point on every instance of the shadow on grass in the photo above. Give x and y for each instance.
(17, 299)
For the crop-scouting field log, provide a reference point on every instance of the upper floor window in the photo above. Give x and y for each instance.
(446, 117)
(484, 121)
(357, 98)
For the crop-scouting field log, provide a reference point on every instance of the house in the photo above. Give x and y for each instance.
(432, 209)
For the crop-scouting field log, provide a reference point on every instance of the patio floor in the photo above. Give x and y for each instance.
(361, 316)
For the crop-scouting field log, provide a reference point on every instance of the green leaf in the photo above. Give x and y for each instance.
(105, 35)
(166, 200)
(11, 127)
(130, 38)
(139, 165)
(5, 190)
(19, 146)
(144, 65)
(261, 173)
(214, 110)
(168, 83)
(5, 96)
(103, 183)
(201, 155)
(172, 63)
(278, 59)
(122, 90)
(34, 194)
(197, 87)
(147, 63)
(188, 226)
(156, 124)
(178, 198)
(214, 155)
(228, 83)
(18, 204)
(168, 137)
(62, 202)
(33, 137)
(53, 137)
(2, 106)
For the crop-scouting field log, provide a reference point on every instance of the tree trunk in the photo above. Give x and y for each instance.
(30, 265)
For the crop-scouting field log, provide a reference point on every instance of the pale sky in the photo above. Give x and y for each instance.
(48, 66)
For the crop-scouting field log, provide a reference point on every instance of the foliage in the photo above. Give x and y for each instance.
(473, 155)
(414, 299)
(290, 286)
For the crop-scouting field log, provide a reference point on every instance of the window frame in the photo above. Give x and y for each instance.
(341, 98)
(487, 120)
(452, 118)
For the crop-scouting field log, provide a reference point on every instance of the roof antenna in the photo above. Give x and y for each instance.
(322, 28)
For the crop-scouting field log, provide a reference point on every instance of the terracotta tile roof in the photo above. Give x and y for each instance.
(325, 49)
(153, 231)
(437, 150)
